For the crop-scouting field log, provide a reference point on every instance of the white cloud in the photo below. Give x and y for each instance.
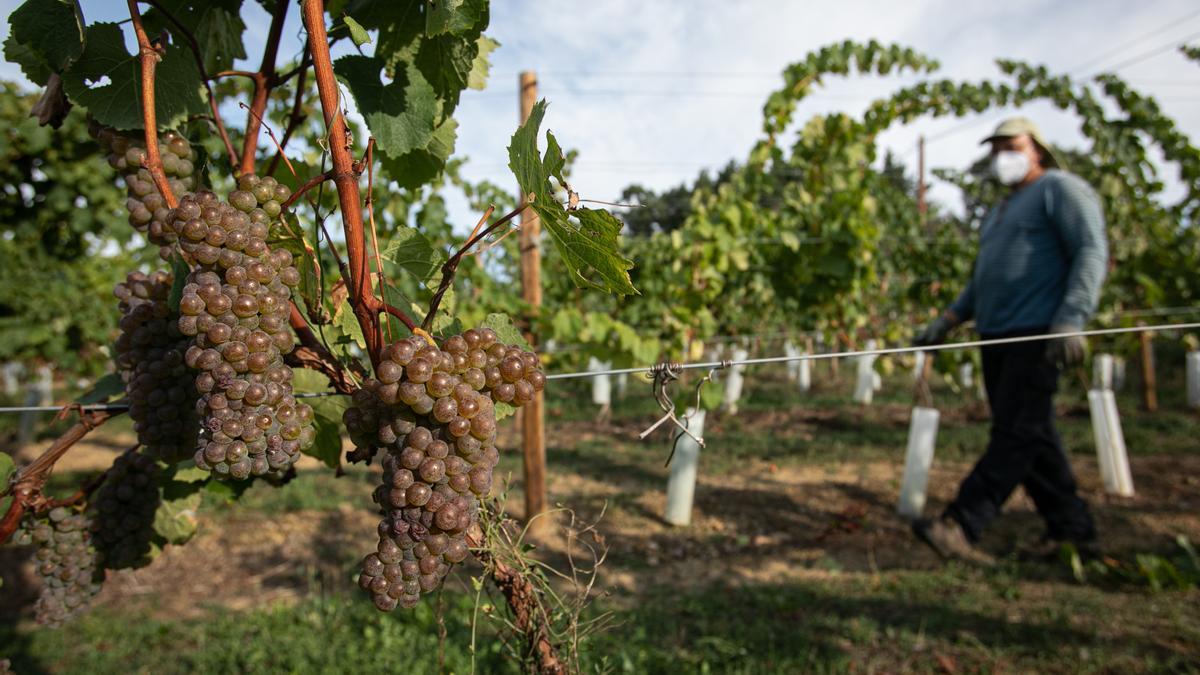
(634, 130)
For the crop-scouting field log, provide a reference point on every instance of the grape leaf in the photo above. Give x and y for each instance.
(216, 24)
(291, 237)
(105, 388)
(400, 113)
(447, 62)
(503, 410)
(358, 34)
(412, 252)
(505, 329)
(107, 81)
(187, 472)
(456, 17)
(50, 30)
(587, 239)
(347, 324)
(179, 275)
(414, 169)
(175, 519)
(481, 66)
(408, 90)
(327, 415)
(227, 491)
(444, 324)
(6, 469)
(327, 420)
(306, 381)
(32, 63)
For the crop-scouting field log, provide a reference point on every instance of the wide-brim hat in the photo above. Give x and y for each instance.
(1020, 126)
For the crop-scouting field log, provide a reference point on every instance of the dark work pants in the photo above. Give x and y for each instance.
(1024, 447)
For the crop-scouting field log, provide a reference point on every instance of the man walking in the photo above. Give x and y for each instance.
(1041, 261)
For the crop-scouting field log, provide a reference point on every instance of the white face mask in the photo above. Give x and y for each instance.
(1010, 167)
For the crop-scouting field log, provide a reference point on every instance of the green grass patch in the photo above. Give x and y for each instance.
(319, 635)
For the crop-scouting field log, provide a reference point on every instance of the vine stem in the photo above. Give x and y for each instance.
(194, 45)
(264, 80)
(313, 355)
(366, 306)
(297, 115)
(149, 57)
(517, 589)
(451, 265)
(26, 486)
(522, 599)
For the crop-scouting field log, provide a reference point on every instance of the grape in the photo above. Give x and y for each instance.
(431, 415)
(151, 359)
(66, 562)
(122, 511)
(148, 211)
(239, 291)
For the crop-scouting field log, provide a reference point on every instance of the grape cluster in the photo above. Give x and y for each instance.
(148, 211)
(122, 509)
(150, 359)
(235, 307)
(65, 561)
(432, 412)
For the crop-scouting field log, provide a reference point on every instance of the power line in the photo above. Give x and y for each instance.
(1150, 54)
(1138, 40)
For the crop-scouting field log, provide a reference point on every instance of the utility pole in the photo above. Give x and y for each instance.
(921, 207)
(533, 429)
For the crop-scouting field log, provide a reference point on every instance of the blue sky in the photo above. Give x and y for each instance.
(652, 92)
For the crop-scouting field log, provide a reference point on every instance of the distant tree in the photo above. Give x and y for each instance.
(58, 217)
(666, 211)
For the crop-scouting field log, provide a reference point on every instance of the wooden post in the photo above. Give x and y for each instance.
(921, 206)
(533, 430)
(1149, 383)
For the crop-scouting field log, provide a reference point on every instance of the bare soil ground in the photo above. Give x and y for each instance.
(758, 522)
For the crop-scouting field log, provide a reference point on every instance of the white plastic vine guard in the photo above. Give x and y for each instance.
(734, 381)
(685, 464)
(601, 384)
(918, 365)
(1118, 373)
(804, 374)
(966, 375)
(918, 459)
(11, 372)
(1110, 443)
(791, 351)
(864, 384)
(1102, 371)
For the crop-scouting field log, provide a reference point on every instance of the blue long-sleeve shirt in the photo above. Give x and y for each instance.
(1042, 257)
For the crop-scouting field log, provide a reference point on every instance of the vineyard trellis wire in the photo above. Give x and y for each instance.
(768, 360)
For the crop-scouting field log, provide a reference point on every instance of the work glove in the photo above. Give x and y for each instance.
(1066, 351)
(934, 333)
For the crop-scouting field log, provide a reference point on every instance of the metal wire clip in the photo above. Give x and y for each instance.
(663, 374)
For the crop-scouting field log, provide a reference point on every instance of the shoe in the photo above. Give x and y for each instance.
(1051, 550)
(946, 537)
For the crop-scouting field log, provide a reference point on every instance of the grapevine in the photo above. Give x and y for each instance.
(148, 210)
(66, 562)
(121, 511)
(150, 358)
(235, 306)
(432, 413)
(205, 352)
